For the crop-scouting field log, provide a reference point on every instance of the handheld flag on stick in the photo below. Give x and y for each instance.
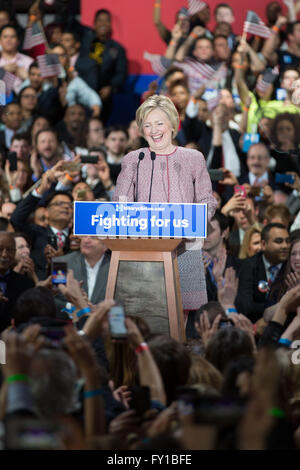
(254, 25)
(34, 41)
(49, 65)
(9, 80)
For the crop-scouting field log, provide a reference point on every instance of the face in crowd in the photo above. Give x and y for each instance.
(276, 247)
(258, 160)
(47, 145)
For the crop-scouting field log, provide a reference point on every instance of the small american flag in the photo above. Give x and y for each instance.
(254, 25)
(49, 65)
(195, 6)
(266, 80)
(9, 80)
(34, 40)
(158, 64)
(213, 99)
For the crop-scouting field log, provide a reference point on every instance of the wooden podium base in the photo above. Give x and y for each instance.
(144, 277)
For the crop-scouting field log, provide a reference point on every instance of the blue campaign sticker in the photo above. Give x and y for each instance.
(248, 140)
(138, 219)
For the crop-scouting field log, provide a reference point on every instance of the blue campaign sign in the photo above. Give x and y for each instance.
(139, 219)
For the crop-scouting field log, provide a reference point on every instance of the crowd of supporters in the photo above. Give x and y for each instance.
(235, 382)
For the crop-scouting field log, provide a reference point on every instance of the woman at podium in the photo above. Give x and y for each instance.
(164, 172)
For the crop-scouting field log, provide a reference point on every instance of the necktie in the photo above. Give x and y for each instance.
(60, 241)
(210, 268)
(273, 270)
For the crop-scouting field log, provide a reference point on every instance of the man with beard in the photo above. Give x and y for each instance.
(47, 153)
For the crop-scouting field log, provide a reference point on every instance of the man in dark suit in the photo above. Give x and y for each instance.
(12, 118)
(258, 273)
(258, 160)
(90, 265)
(59, 211)
(12, 284)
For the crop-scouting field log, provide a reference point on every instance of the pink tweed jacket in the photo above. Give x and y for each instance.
(178, 177)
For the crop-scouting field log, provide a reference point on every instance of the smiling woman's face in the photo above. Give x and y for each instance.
(158, 130)
(295, 258)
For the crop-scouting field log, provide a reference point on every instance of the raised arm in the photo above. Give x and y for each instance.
(149, 374)
(197, 32)
(172, 46)
(256, 64)
(272, 43)
(239, 75)
(161, 28)
(291, 10)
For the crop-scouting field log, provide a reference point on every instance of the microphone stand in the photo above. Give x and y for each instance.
(153, 157)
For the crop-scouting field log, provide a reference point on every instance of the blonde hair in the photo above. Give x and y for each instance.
(158, 102)
(244, 251)
(204, 373)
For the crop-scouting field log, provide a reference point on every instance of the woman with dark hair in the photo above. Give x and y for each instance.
(291, 278)
(227, 345)
(285, 138)
(28, 101)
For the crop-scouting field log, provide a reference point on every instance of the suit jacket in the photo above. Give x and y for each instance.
(212, 292)
(16, 284)
(76, 262)
(39, 236)
(250, 301)
(234, 243)
(244, 178)
(3, 141)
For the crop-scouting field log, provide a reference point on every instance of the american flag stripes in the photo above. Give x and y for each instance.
(49, 65)
(157, 63)
(266, 80)
(34, 40)
(9, 80)
(195, 6)
(254, 25)
(197, 72)
(213, 100)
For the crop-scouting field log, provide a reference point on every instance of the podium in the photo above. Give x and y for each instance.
(144, 240)
(144, 277)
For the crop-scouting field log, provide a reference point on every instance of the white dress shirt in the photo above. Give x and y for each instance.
(64, 232)
(260, 179)
(92, 275)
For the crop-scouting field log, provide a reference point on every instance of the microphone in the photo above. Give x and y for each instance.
(153, 157)
(141, 156)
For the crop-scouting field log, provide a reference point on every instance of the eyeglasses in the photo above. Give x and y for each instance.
(61, 204)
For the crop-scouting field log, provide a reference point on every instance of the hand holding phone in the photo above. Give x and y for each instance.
(140, 400)
(284, 178)
(240, 190)
(59, 271)
(89, 159)
(12, 158)
(70, 166)
(116, 320)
